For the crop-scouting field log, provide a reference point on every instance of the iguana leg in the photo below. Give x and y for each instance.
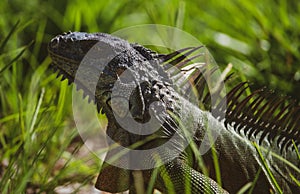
(185, 179)
(113, 179)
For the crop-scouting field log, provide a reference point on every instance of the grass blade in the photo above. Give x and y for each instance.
(16, 58)
(13, 29)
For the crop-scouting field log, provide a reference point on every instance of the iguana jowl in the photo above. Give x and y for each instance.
(258, 117)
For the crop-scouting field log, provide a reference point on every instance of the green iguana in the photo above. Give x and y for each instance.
(258, 136)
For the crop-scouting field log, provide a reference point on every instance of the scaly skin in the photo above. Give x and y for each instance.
(238, 159)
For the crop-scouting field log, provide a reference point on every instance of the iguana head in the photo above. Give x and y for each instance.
(75, 45)
(111, 71)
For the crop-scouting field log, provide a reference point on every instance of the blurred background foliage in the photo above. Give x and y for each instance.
(260, 38)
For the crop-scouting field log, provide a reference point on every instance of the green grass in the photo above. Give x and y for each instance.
(38, 146)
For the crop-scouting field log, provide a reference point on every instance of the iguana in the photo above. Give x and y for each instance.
(257, 140)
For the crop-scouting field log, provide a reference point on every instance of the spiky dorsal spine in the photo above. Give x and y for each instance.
(261, 114)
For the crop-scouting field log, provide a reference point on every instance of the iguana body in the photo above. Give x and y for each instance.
(150, 83)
